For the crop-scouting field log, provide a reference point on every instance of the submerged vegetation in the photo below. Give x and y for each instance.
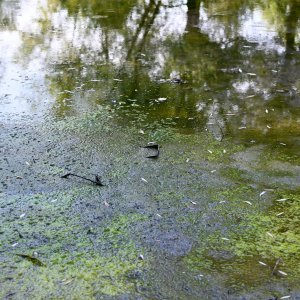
(155, 154)
(73, 258)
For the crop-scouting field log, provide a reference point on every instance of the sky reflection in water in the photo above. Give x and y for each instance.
(225, 66)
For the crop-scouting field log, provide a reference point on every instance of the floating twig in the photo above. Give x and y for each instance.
(276, 266)
(97, 180)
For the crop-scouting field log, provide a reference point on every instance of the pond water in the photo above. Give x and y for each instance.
(84, 84)
(229, 66)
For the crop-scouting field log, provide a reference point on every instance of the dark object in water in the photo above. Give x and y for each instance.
(32, 259)
(177, 80)
(154, 147)
(20, 234)
(97, 180)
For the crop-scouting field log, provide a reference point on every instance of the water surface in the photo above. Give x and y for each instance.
(216, 83)
(229, 66)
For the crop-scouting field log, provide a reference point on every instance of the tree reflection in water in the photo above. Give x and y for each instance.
(238, 60)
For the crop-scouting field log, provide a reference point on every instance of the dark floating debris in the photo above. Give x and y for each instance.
(32, 259)
(97, 180)
(20, 234)
(154, 147)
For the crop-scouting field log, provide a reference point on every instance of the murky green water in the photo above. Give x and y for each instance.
(216, 83)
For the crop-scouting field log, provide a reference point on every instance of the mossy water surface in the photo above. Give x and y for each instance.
(77, 259)
(195, 209)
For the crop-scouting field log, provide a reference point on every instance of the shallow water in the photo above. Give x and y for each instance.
(216, 83)
(229, 66)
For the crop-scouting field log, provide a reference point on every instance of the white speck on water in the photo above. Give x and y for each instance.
(262, 193)
(282, 273)
(282, 200)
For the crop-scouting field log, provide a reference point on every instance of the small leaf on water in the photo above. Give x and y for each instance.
(282, 273)
(32, 259)
(65, 281)
(282, 200)
(262, 193)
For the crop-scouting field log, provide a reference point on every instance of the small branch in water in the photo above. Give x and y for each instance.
(276, 266)
(97, 180)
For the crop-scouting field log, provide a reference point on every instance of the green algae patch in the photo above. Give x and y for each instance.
(81, 275)
(105, 123)
(76, 260)
(281, 153)
(234, 174)
(258, 240)
(274, 234)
